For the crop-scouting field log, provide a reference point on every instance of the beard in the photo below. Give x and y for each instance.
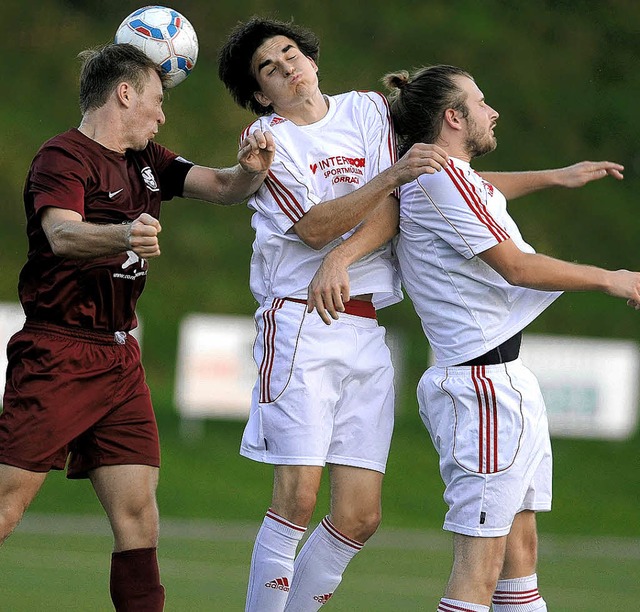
(477, 142)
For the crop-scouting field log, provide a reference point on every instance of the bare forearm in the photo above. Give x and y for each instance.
(517, 184)
(538, 271)
(327, 221)
(236, 184)
(71, 237)
(329, 289)
(221, 185)
(81, 240)
(377, 229)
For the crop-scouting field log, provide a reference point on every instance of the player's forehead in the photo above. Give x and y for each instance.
(469, 87)
(153, 85)
(269, 50)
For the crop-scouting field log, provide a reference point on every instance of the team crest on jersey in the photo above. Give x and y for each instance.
(149, 179)
(489, 188)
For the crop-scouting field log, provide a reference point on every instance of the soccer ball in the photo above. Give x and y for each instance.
(166, 37)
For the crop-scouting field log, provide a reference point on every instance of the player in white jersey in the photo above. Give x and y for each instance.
(324, 394)
(476, 284)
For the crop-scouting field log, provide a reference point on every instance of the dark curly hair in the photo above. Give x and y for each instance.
(234, 59)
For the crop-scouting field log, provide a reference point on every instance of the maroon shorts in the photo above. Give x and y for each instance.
(76, 395)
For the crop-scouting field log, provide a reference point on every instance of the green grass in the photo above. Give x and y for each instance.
(596, 483)
(60, 562)
(212, 502)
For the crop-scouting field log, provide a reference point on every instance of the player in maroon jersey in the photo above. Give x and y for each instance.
(75, 388)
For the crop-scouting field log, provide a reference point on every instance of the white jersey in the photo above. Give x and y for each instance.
(446, 220)
(315, 163)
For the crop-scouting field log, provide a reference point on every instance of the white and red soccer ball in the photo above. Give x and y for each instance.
(166, 37)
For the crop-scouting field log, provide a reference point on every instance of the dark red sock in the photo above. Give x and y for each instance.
(135, 581)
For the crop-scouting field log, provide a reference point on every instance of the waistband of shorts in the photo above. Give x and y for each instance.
(509, 350)
(357, 308)
(76, 333)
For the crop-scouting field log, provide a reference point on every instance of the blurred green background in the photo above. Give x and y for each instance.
(564, 77)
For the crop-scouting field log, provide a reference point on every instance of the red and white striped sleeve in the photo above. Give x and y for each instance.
(461, 211)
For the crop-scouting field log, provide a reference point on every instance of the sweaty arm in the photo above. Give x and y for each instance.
(71, 237)
(329, 288)
(235, 184)
(329, 220)
(517, 184)
(545, 273)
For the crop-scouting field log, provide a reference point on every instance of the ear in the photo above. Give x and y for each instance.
(452, 119)
(261, 98)
(123, 93)
(315, 66)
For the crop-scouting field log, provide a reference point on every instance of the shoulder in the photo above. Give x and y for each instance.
(158, 152)
(67, 153)
(363, 98)
(264, 123)
(71, 141)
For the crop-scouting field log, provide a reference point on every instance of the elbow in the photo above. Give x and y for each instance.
(312, 237)
(59, 242)
(515, 275)
(317, 243)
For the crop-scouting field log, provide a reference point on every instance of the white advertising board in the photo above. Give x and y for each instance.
(215, 371)
(590, 385)
(11, 321)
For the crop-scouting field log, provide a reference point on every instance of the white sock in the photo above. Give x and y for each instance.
(518, 595)
(319, 567)
(272, 564)
(454, 605)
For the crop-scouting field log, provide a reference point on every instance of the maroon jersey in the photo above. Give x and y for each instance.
(74, 172)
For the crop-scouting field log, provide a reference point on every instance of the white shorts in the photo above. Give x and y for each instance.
(324, 393)
(489, 426)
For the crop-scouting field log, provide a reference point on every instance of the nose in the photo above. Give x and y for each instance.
(161, 117)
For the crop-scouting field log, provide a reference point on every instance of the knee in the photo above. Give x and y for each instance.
(10, 516)
(359, 526)
(136, 524)
(369, 524)
(521, 558)
(296, 504)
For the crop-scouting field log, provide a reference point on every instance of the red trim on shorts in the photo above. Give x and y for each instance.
(358, 308)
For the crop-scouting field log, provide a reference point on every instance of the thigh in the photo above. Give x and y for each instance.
(128, 495)
(364, 415)
(57, 388)
(127, 435)
(302, 364)
(522, 547)
(489, 427)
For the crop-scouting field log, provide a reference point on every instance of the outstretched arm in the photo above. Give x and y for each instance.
(517, 184)
(538, 271)
(232, 185)
(329, 289)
